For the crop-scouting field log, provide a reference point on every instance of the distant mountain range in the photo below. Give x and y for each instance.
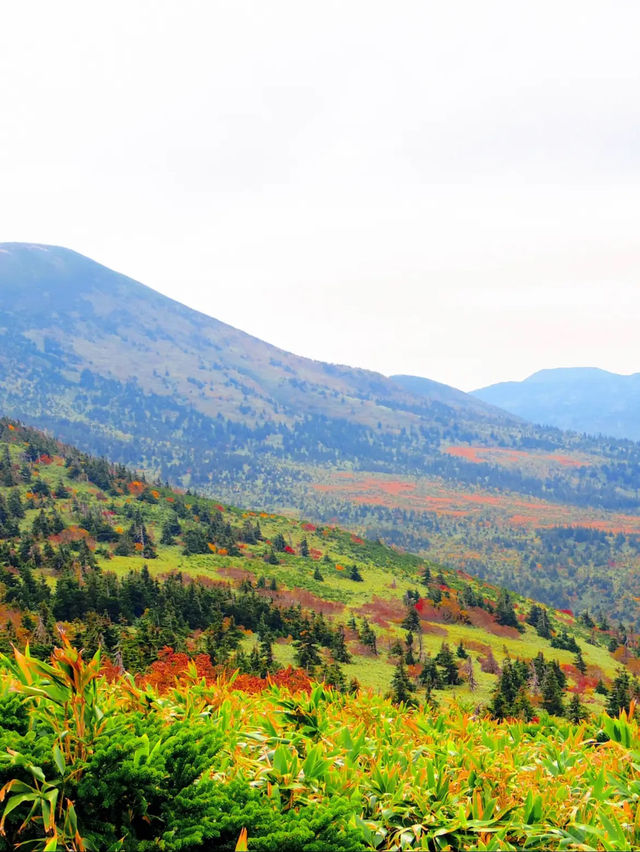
(585, 399)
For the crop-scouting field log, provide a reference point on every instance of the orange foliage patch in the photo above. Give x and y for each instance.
(171, 668)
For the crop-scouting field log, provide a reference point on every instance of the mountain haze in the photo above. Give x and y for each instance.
(585, 399)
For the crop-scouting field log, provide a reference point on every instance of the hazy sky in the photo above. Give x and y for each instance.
(446, 189)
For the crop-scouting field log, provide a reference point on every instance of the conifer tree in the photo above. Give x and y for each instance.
(411, 620)
(430, 676)
(552, 693)
(307, 655)
(505, 613)
(575, 711)
(339, 646)
(354, 574)
(409, 657)
(401, 686)
(447, 662)
(620, 693)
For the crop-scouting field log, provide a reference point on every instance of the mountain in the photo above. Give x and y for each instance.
(438, 392)
(584, 399)
(121, 371)
(102, 358)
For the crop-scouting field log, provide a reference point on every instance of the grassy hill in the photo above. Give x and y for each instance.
(187, 755)
(91, 540)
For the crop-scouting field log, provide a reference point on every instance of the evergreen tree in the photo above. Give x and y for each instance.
(411, 620)
(575, 711)
(332, 675)
(401, 686)
(304, 547)
(409, 657)
(354, 574)
(14, 504)
(552, 693)
(447, 663)
(307, 655)
(317, 574)
(505, 612)
(339, 646)
(430, 676)
(620, 693)
(368, 636)
(580, 663)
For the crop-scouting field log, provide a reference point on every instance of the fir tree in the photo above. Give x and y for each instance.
(552, 693)
(447, 662)
(620, 693)
(505, 613)
(368, 636)
(401, 686)
(409, 657)
(307, 655)
(411, 620)
(575, 711)
(354, 574)
(339, 646)
(430, 676)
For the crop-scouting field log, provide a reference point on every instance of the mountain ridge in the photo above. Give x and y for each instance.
(584, 399)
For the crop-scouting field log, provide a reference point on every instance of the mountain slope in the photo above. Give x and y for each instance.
(429, 389)
(584, 399)
(69, 306)
(85, 526)
(121, 371)
(217, 738)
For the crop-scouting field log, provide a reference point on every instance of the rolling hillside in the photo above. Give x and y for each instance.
(121, 371)
(582, 399)
(86, 544)
(253, 682)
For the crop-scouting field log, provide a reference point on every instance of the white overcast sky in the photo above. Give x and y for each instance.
(448, 189)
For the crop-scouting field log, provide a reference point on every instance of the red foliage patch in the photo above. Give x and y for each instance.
(235, 573)
(291, 597)
(387, 609)
(485, 621)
